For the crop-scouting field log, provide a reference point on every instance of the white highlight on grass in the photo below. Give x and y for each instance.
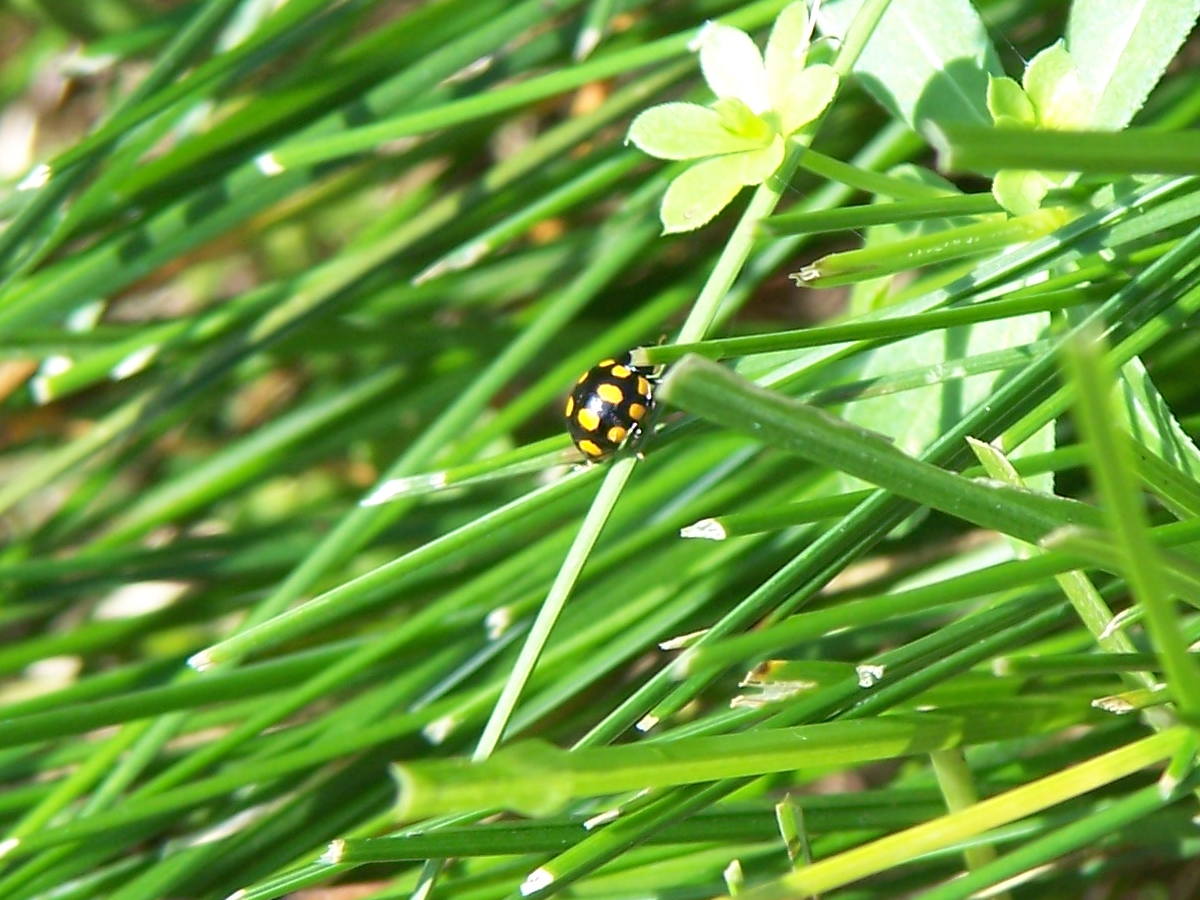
(535, 881)
(202, 661)
(460, 259)
(395, 487)
(235, 824)
(498, 621)
(89, 65)
(588, 40)
(869, 675)
(1168, 784)
(140, 598)
(734, 878)
(18, 140)
(1003, 887)
(56, 365)
(41, 386)
(470, 70)
(8, 845)
(268, 164)
(1037, 278)
(85, 316)
(646, 722)
(601, 819)
(383, 493)
(134, 362)
(805, 275)
(333, 853)
(37, 177)
(707, 529)
(1119, 621)
(682, 641)
(1118, 706)
(769, 692)
(54, 671)
(39, 389)
(438, 730)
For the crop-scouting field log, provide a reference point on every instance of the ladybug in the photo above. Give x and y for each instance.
(608, 407)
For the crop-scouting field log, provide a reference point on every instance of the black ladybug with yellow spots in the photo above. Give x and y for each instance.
(608, 407)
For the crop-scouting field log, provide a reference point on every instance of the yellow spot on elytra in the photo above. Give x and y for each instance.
(570, 407)
(621, 371)
(643, 386)
(616, 434)
(605, 363)
(588, 419)
(591, 448)
(636, 411)
(582, 378)
(610, 393)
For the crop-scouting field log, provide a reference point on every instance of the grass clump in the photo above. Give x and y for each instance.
(305, 588)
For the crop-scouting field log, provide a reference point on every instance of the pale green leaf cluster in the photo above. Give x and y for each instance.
(739, 139)
(1052, 95)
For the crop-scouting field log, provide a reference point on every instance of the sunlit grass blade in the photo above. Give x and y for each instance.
(368, 137)
(538, 779)
(534, 457)
(871, 182)
(988, 580)
(929, 249)
(1113, 470)
(1134, 151)
(848, 867)
(362, 591)
(854, 217)
(891, 328)
(1130, 809)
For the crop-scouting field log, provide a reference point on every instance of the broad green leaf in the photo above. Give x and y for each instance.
(1008, 102)
(811, 91)
(1151, 421)
(927, 61)
(685, 131)
(699, 193)
(1122, 48)
(1059, 96)
(915, 418)
(732, 65)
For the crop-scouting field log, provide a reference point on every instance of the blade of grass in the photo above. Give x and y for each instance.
(848, 218)
(708, 390)
(1113, 470)
(845, 868)
(891, 328)
(1134, 151)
